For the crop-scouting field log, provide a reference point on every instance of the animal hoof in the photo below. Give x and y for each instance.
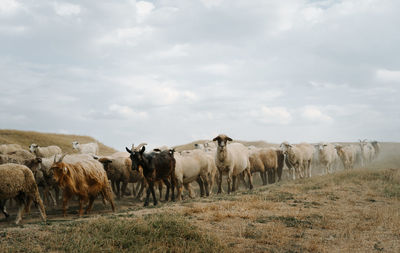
(146, 203)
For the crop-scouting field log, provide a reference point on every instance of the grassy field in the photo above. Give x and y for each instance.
(64, 141)
(347, 211)
(355, 211)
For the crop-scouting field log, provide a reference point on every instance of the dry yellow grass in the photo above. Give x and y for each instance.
(64, 141)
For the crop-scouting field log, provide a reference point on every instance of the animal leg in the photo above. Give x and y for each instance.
(250, 178)
(168, 185)
(3, 208)
(39, 203)
(20, 211)
(229, 180)
(90, 205)
(66, 198)
(220, 182)
(201, 186)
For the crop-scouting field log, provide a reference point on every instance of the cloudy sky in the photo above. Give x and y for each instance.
(168, 72)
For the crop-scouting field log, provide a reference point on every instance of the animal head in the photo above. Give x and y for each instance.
(75, 145)
(198, 146)
(58, 168)
(285, 147)
(136, 155)
(222, 140)
(33, 147)
(321, 146)
(106, 162)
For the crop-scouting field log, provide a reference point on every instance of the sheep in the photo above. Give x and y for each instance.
(327, 156)
(18, 182)
(22, 153)
(367, 151)
(88, 148)
(298, 157)
(86, 179)
(377, 148)
(193, 166)
(267, 161)
(8, 148)
(44, 151)
(119, 170)
(347, 155)
(231, 159)
(257, 165)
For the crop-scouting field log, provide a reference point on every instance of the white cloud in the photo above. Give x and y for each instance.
(126, 111)
(212, 3)
(143, 9)
(66, 9)
(216, 69)
(314, 114)
(8, 7)
(272, 115)
(179, 50)
(126, 36)
(388, 75)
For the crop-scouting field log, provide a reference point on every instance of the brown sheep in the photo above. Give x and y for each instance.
(86, 179)
(18, 182)
(119, 170)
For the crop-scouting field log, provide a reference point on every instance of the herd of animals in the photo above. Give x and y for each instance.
(86, 175)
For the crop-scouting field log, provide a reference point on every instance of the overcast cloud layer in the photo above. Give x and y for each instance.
(173, 71)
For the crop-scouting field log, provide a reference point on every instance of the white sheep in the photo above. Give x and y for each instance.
(231, 160)
(327, 156)
(45, 151)
(18, 182)
(347, 155)
(194, 166)
(367, 151)
(87, 148)
(8, 148)
(298, 157)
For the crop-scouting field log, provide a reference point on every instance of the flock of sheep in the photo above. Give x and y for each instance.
(87, 175)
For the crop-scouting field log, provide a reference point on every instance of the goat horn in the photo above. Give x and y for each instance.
(140, 146)
(62, 157)
(133, 147)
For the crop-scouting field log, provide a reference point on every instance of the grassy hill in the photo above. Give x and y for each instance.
(64, 141)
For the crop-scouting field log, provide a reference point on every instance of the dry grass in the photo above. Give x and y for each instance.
(64, 141)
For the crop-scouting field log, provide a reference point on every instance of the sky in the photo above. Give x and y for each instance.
(169, 72)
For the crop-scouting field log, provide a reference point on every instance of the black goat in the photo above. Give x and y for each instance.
(156, 166)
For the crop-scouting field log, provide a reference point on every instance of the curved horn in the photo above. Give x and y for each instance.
(61, 158)
(140, 146)
(133, 147)
(55, 158)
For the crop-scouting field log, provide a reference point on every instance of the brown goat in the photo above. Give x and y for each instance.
(86, 179)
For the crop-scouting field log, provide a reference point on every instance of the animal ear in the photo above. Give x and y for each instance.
(38, 159)
(65, 170)
(216, 138)
(128, 150)
(142, 149)
(229, 138)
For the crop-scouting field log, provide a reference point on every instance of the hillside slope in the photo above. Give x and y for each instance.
(64, 141)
